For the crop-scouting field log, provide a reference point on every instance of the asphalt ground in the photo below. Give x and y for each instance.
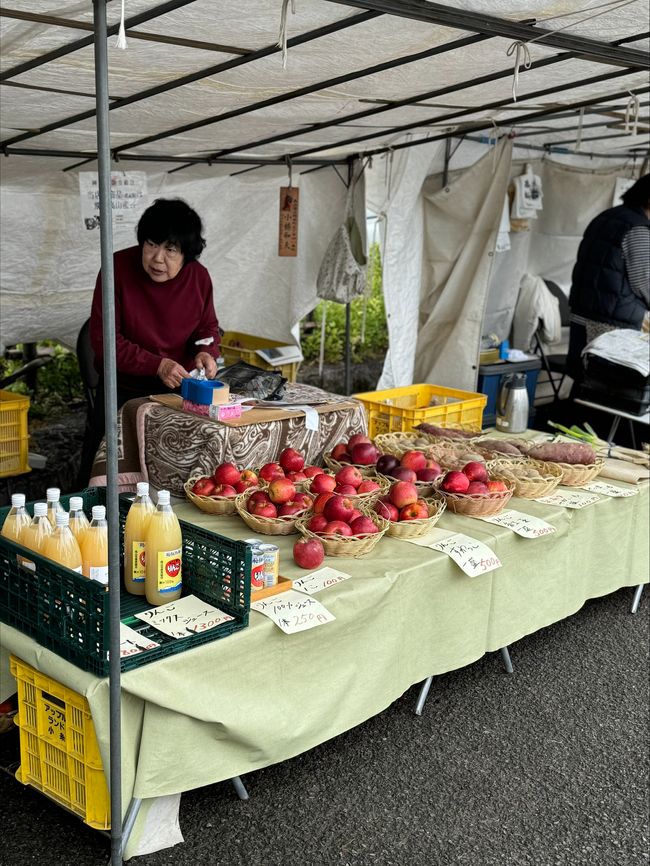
(548, 766)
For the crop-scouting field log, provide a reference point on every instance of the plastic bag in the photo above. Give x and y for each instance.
(250, 381)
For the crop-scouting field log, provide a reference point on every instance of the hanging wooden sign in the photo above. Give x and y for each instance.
(288, 239)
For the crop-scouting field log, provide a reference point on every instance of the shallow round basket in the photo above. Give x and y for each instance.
(266, 525)
(371, 496)
(417, 528)
(478, 504)
(577, 474)
(398, 444)
(527, 488)
(335, 465)
(424, 488)
(299, 485)
(209, 504)
(341, 545)
(455, 440)
(483, 446)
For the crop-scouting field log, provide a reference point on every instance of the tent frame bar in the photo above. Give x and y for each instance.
(550, 150)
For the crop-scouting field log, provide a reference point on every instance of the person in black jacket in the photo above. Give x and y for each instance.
(610, 285)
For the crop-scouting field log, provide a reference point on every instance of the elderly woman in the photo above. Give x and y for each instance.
(165, 323)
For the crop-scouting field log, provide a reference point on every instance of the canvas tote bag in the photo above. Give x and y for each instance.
(342, 274)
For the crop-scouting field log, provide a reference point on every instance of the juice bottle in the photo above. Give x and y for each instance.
(61, 546)
(135, 533)
(35, 534)
(78, 521)
(94, 547)
(53, 495)
(163, 577)
(17, 519)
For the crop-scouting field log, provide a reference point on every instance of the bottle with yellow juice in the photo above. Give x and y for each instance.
(79, 523)
(164, 572)
(33, 536)
(61, 546)
(94, 547)
(17, 519)
(53, 496)
(135, 534)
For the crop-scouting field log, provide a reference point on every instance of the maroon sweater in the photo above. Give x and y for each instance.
(155, 320)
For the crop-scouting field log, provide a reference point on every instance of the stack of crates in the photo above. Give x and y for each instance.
(14, 437)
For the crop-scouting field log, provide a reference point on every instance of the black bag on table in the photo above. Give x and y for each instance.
(615, 385)
(253, 382)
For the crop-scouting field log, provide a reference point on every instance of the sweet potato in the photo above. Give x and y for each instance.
(502, 446)
(563, 452)
(447, 432)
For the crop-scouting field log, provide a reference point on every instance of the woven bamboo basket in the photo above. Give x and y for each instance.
(455, 458)
(417, 528)
(299, 485)
(209, 504)
(478, 504)
(527, 488)
(342, 545)
(424, 488)
(577, 474)
(398, 444)
(266, 525)
(335, 465)
(455, 440)
(483, 446)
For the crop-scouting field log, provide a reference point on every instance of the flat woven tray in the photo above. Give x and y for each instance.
(527, 488)
(209, 504)
(335, 465)
(341, 545)
(424, 488)
(406, 529)
(478, 504)
(266, 525)
(398, 444)
(577, 474)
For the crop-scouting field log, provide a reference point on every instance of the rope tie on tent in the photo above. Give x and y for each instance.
(287, 159)
(120, 42)
(522, 55)
(283, 36)
(579, 135)
(632, 114)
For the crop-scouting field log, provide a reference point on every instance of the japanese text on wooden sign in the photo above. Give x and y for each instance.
(288, 237)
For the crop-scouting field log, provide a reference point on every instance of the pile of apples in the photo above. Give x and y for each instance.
(348, 481)
(291, 465)
(226, 480)
(471, 479)
(402, 503)
(359, 449)
(280, 499)
(414, 466)
(337, 515)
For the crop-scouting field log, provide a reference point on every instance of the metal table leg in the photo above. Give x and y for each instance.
(129, 821)
(239, 787)
(505, 658)
(424, 691)
(637, 598)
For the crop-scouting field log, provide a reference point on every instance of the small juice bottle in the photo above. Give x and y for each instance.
(164, 574)
(94, 547)
(78, 521)
(135, 533)
(17, 519)
(33, 536)
(53, 495)
(61, 546)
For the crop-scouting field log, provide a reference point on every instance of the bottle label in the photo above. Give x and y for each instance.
(169, 571)
(99, 573)
(138, 561)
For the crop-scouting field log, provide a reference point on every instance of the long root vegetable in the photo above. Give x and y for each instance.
(563, 452)
(446, 432)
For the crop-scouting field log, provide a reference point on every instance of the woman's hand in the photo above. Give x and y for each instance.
(171, 373)
(205, 361)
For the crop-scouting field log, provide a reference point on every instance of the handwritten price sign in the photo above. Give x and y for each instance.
(321, 579)
(188, 615)
(293, 611)
(606, 489)
(569, 498)
(523, 524)
(469, 554)
(132, 643)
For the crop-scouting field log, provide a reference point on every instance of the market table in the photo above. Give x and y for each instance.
(260, 696)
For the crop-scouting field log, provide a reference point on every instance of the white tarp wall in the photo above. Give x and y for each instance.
(50, 260)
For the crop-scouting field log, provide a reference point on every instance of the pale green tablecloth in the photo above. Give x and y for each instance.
(260, 696)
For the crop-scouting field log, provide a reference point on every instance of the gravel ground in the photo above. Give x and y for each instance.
(548, 767)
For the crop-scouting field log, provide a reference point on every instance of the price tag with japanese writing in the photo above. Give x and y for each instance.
(293, 611)
(184, 617)
(606, 489)
(132, 642)
(569, 498)
(469, 554)
(321, 579)
(525, 525)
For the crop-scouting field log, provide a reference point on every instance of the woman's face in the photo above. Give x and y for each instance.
(163, 261)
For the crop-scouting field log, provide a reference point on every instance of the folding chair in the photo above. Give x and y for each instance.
(555, 364)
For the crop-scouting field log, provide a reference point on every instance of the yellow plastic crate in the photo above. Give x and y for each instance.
(59, 754)
(399, 410)
(14, 438)
(236, 346)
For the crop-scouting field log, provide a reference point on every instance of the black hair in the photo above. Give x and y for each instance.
(638, 195)
(174, 221)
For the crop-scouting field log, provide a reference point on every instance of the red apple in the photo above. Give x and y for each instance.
(415, 511)
(403, 493)
(339, 451)
(358, 439)
(368, 486)
(496, 486)
(288, 509)
(355, 513)
(224, 490)
(414, 460)
(323, 483)
(291, 460)
(262, 509)
(429, 473)
(320, 501)
(227, 473)
(363, 526)
(203, 486)
(311, 471)
(477, 487)
(337, 527)
(387, 510)
(349, 475)
(308, 552)
(249, 476)
(455, 482)
(244, 485)
(403, 473)
(304, 500)
(386, 463)
(338, 508)
(364, 453)
(271, 471)
(475, 471)
(296, 476)
(259, 496)
(317, 523)
(345, 490)
(281, 490)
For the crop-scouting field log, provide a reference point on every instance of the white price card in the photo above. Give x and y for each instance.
(132, 642)
(469, 554)
(569, 498)
(186, 616)
(321, 579)
(525, 525)
(293, 611)
(606, 489)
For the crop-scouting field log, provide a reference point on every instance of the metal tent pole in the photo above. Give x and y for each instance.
(110, 403)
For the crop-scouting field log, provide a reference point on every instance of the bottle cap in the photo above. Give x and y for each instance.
(143, 488)
(17, 500)
(163, 497)
(99, 512)
(53, 494)
(76, 503)
(40, 509)
(62, 518)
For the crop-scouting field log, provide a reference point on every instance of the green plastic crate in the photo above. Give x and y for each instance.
(69, 614)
